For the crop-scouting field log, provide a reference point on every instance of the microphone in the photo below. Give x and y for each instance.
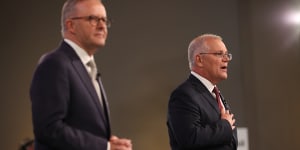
(224, 102)
(98, 76)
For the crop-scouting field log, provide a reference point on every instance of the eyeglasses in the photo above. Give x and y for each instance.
(94, 20)
(220, 55)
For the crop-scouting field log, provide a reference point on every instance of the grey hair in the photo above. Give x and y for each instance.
(198, 45)
(68, 10)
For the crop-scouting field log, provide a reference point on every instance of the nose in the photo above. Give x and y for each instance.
(227, 57)
(104, 22)
(101, 23)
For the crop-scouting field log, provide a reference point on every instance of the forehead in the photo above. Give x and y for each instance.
(215, 44)
(91, 7)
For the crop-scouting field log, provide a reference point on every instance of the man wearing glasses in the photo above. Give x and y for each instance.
(69, 106)
(198, 116)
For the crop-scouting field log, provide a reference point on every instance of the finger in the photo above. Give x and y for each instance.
(228, 112)
(223, 111)
(122, 142)
(118, 147)
(126, 142)
(113, 137)
(121, 147)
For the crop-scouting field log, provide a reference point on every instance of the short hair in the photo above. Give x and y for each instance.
(67, 11)
(198, 44)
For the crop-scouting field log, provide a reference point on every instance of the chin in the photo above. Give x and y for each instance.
(101, 44)
(224, 77)
(99, 41)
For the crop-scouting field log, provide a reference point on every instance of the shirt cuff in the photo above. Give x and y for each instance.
(108, 146)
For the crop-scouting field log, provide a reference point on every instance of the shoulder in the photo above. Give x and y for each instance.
(59, 56)
(183, 90)
(190, 85)
(52, 61)
(55, 62)
(189, 91)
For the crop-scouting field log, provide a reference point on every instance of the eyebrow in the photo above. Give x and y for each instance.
(221, 51)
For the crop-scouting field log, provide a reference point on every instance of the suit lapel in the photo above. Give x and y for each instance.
(105, 102)
(212, 102)
(199, 86)
(84, 76)
(103, 94)
(78, 66)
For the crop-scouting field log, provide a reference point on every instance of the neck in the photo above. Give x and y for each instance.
(89, 49)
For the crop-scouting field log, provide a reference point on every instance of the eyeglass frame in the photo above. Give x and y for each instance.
(94, 20)
(219, 54)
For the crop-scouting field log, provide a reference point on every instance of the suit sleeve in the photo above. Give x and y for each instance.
(195, 126)
(50, 96)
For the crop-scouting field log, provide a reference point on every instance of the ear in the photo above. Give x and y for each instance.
(70, 26)
(198, 60)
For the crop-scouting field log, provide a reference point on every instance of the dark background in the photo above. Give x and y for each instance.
(146, 58)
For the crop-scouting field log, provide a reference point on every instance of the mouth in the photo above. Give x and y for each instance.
(100, 35)
(224, 68)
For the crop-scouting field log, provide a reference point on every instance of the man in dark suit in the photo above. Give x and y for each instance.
(69, 105)
(197, 119)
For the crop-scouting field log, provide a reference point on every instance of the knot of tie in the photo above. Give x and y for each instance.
(217, 93)
(93, 69)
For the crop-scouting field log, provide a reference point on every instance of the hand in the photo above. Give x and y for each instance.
(225, 114)
(120, 143)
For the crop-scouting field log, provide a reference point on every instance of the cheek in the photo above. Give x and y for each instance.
(80, 32)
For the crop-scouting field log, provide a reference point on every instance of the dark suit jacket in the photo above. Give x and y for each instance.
(66, 111)
(194, 121)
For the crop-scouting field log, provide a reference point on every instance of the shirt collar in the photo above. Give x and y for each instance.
(83, 55)
(206, 83)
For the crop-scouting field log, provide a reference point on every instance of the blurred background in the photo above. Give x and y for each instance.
(146, 58)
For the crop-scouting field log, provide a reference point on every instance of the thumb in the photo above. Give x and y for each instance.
(113, 137)
(223, 110)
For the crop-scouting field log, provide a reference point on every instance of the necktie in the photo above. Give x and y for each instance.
(217, 93)
(93, 75)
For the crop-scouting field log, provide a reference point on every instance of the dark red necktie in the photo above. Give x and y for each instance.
(217, 93)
